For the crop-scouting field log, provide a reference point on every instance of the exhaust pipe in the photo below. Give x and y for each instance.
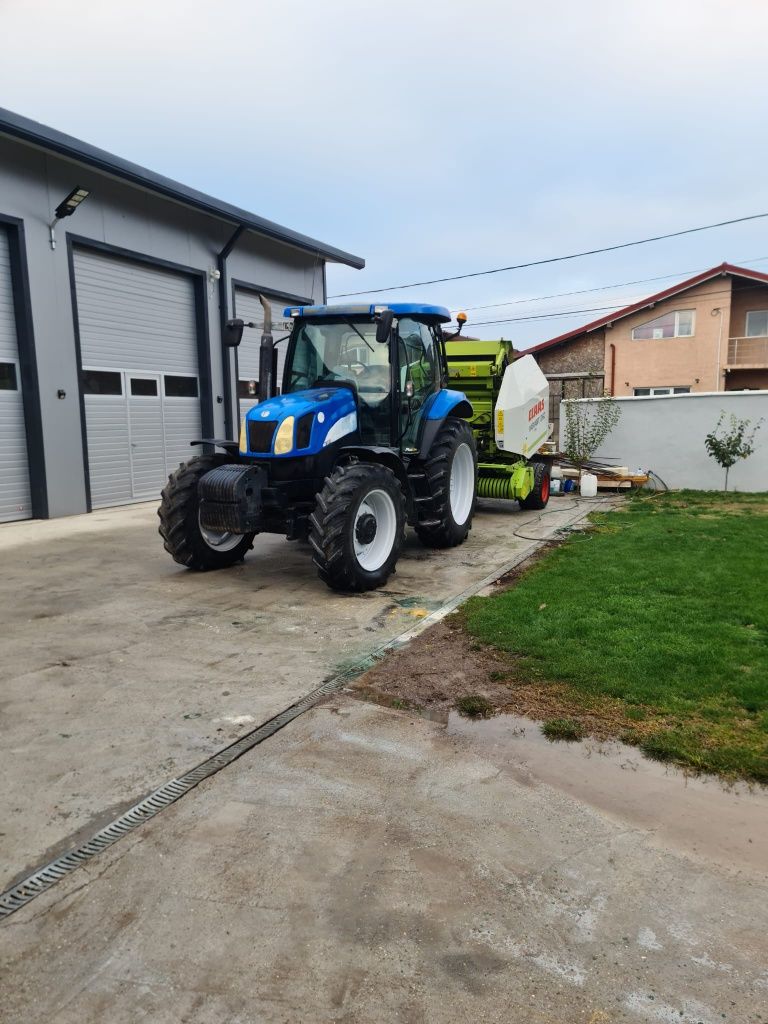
(267, 361)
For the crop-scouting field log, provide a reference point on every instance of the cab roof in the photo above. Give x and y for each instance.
(439, 313)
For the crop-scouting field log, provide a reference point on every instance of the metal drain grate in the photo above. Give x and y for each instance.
(33, 885)
(36, 883)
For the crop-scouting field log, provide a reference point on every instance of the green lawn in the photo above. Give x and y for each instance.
(660, 610)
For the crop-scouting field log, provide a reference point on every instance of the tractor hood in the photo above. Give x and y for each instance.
(301, 423)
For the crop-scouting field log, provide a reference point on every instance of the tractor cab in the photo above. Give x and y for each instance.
(391, 359)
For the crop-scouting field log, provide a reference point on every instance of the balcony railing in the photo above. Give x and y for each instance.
(748, 352)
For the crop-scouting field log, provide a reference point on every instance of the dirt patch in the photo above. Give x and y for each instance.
(442, 665)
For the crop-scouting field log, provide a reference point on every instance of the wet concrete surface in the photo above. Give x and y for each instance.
(698, 815)
(366, 865)
(121, 670)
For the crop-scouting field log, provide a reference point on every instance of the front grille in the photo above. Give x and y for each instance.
(260, 434)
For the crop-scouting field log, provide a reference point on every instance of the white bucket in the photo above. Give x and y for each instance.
(588, 485)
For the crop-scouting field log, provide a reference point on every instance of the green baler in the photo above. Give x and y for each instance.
(510, 398)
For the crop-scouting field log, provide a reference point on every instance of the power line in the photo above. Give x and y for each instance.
(554, 259)
(575, 312)
(545, 316)
(598, 288)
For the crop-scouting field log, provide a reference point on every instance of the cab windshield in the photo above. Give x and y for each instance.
(332, 352)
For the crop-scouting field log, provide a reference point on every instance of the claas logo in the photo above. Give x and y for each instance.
(534, 411)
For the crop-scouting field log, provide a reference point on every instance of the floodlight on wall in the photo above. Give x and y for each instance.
(66, 208)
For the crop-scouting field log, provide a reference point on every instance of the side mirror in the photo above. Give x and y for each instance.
(384, 326)
(233, 333)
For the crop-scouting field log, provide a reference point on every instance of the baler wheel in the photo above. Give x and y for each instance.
(358, 527)
(539, 496)
(451, 471)
(183, 536)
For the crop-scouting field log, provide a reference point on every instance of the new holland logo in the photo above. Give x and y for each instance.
(534, 411)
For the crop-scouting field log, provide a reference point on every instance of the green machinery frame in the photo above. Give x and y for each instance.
(478, 368)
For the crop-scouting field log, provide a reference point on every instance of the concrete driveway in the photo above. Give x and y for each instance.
(121, 670)
(367, 866)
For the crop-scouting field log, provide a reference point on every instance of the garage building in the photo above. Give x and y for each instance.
(111, 315)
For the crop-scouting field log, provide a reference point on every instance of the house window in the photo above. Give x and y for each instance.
(677, 324)
(757, 323)
(647, 392)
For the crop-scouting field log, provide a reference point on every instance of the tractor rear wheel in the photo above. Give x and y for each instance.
(539, 496)
(358, 527)
(451, 472)
(184, 538)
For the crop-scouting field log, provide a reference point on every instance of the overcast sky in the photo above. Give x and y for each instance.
(433, 138)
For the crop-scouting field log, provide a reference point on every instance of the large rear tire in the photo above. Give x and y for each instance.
(451, 471)
(184, 538)
(358, 527)
(539, 496)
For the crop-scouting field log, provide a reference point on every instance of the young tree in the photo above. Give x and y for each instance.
(587, 424)
(733, 444)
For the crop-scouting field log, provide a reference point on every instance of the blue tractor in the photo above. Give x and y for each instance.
(363, 437)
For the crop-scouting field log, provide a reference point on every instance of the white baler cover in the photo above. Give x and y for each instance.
(521, 417)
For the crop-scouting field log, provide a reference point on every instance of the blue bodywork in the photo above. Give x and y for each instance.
(440, 405)
(440, 313)
(330, 405)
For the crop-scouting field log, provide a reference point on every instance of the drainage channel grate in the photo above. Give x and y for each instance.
(36, 883)
(33, 885)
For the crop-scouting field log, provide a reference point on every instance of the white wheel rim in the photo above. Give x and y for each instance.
(371, 555)
(218, 541)
(462, 487)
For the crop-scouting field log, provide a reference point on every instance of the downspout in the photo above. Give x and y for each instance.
(718, 371)
(612, 347)
(221, 265)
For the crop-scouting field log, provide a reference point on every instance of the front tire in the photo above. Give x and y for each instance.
(451, 471)
(539, 496)
(183, 536)
(358, 527)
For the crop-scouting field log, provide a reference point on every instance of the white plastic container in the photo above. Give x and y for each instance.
(588, 485)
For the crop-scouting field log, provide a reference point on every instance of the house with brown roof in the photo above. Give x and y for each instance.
(707, 333)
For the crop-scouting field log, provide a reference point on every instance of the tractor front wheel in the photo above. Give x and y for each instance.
(539, 496)
(358, 526)
(184, 538)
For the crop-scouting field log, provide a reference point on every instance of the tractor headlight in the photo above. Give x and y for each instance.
(284, 437)
(243, 446)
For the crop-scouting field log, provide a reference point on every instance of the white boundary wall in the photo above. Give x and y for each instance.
(666, 433)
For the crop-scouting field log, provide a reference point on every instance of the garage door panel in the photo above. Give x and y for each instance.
(139, 320)
(15, 492)
(108, 452)
(130, 308)
(182, 425)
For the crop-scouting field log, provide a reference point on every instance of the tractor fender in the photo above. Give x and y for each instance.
(440, 406)
(384, 457)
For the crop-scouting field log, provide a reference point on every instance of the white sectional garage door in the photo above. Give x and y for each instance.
(248, 308)
(140, 375)
(15, 498)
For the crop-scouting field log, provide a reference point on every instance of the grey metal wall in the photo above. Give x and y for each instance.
(32, 183)
(15, 497)
(666, 434)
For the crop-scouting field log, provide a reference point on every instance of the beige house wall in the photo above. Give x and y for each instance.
(696, 362)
